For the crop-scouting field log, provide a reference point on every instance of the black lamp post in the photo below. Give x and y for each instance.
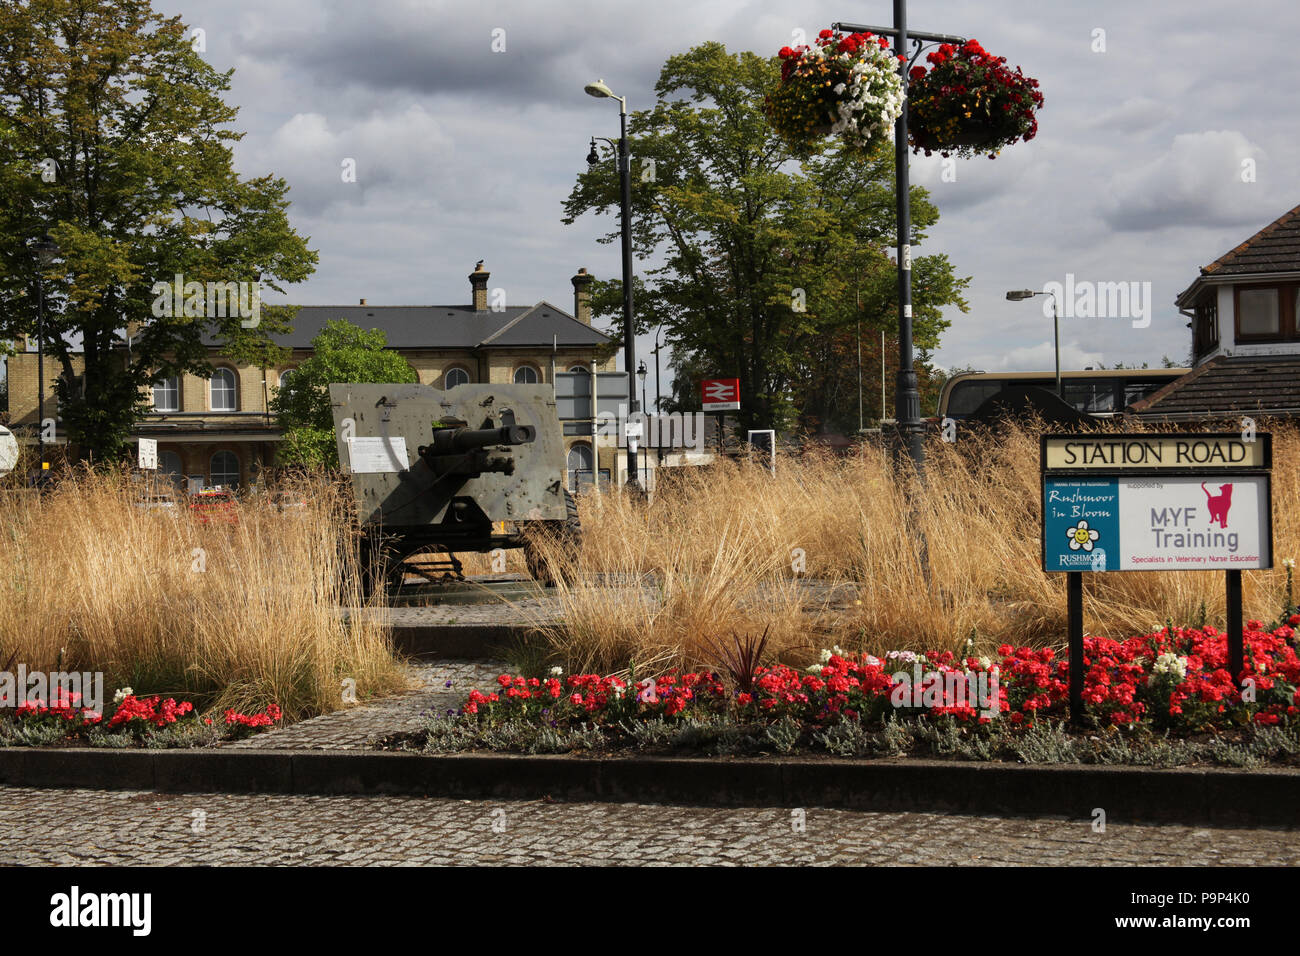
(599, 90)
(907, 397)
(46, 252)
(658, 397)
(1019, 295)
(641, 374)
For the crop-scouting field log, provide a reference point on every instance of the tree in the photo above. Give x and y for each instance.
(341, 353)
(114, 138)
(765, 254)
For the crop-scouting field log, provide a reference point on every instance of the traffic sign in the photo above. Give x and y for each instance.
(721, 394)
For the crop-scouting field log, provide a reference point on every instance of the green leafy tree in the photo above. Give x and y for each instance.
(342, 353)
(115, 139)
(764, 254)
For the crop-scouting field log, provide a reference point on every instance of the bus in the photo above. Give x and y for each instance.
(1101, 393)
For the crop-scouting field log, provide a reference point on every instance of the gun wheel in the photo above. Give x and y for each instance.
(553, 546)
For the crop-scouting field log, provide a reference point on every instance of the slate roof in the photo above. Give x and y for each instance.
(1275, 248)
(1265, 385)
(447, 326)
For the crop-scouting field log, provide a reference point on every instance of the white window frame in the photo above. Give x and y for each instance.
(446, 377)
(537, 377)
(170, 385)
(234, 390)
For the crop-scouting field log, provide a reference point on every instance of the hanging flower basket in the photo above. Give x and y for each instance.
(845, 85)
(969, 103)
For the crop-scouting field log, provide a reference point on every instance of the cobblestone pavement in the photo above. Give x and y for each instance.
(83, 827)
(443, 686)
(818, 598)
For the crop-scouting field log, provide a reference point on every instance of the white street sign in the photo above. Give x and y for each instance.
(149, 454)
(8, 451)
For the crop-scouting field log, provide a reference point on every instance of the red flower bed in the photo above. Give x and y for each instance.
(1170, 680)
(133, 715)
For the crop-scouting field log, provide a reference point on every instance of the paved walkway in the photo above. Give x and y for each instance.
(85, 827)
(443, 686)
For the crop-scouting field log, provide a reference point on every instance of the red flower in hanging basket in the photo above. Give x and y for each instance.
(969, 102)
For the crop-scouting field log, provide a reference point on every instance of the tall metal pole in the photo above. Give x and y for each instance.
(861, 424)
(1056, 330)
(629, 342)
(907, 398)
(40, 373)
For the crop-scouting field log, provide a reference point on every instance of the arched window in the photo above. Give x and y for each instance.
(223, 390)
(581, 370)
(285, 376)
(455, 376)
(167, 395)
(580, 466)
(525, 375)
(224, 469)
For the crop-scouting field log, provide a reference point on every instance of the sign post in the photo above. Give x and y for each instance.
(721, 395)
(1155, 502)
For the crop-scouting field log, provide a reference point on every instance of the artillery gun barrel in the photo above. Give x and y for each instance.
(450, 441)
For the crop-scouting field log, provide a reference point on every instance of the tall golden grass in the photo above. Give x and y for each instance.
(230, 615)
(933, 564)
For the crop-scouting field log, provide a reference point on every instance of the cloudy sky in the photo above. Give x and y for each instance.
(1166, 139)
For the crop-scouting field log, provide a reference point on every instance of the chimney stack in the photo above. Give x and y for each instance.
(363, 301)
(582, 296)
(478, 280)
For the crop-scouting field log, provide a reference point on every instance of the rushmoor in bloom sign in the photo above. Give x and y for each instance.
(1156, 503)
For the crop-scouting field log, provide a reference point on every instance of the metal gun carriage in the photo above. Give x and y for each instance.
(470, 469)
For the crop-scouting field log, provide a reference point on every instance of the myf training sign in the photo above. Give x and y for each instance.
(1156, 503)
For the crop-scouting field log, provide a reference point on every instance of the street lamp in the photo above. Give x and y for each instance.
(46, 252)
(1019, 295)
(641, 374)
(659, 443)
(599, 90)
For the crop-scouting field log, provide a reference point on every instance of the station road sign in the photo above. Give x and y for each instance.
(1144, 502)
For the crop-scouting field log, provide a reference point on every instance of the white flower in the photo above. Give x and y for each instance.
(815, 669)
(122, 694)
(985, 663)
(1288, 563)
(839, 651)
(825, 656)
(1168, 663)
(557, 671)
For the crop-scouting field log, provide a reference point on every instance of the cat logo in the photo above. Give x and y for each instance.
(1219, 504)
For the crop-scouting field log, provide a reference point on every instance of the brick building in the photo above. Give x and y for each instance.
(218, 430)
(1244, 313)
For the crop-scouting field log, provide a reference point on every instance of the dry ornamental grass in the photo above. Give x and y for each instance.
(921, 566)
(238, 615)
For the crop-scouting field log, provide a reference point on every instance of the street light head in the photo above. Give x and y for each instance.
(641, 371)
(1017, 295)
(46, 250)
(593, 157)
(598, 89)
